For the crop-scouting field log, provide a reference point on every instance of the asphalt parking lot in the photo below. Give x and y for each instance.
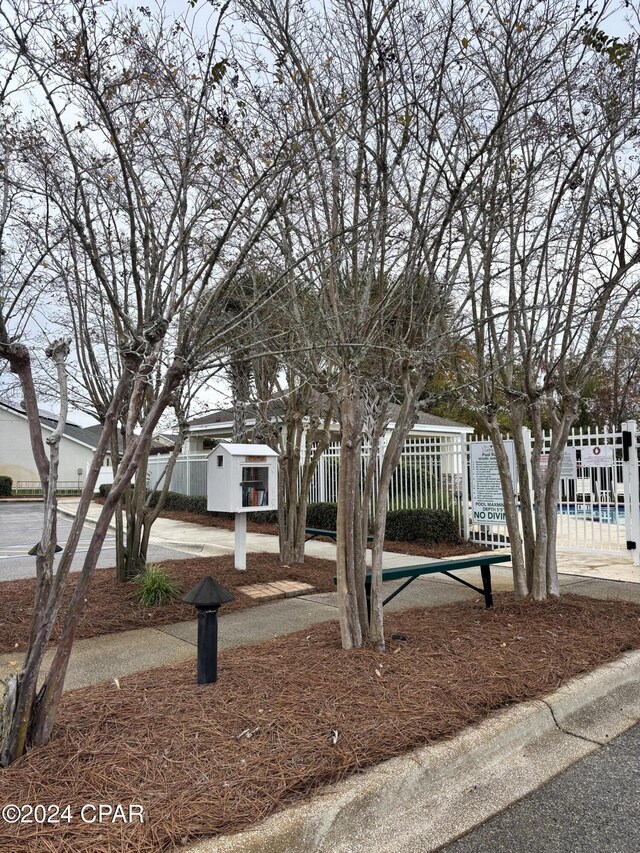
(593, 807)
(21, 527)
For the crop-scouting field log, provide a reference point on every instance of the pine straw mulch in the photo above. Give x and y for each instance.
(113, 606)
(178, 750)
(419, 549)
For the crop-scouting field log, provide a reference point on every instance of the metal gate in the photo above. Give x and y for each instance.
(599, 493)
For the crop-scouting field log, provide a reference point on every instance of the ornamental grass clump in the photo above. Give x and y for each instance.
(155, 586)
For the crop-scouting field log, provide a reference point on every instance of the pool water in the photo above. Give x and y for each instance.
(594, 512)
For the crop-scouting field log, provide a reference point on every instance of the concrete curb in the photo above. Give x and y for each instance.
(68, 514)
(419, 802)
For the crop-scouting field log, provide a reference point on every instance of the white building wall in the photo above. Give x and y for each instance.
(16, 458)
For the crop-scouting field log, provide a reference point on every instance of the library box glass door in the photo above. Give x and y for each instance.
(255, 485)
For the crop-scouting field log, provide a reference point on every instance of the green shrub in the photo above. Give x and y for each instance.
(155, 586)
(104, 489)
(323, 516)
(198, 504)
(269, 516)
(6, 486)
(182, 503)
(423, 525)
(404, 525)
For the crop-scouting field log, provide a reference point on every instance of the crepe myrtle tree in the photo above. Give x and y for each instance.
(295, 420)
(269, 378)
(140, 166)
(94, 367)
(400, 103)
(553, 254)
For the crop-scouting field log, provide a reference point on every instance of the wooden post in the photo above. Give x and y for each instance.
(241, 542)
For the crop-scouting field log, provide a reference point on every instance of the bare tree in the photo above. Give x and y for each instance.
(295, 420)
(553, 254)
(133, 141)
(401, 104)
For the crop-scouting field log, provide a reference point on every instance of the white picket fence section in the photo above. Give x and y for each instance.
(598, 507)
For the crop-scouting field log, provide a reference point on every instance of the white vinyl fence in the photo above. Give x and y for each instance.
(598, 504)
(431, 473)
(189, 475)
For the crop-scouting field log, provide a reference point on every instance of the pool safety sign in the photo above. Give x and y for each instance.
(569, 469)
(598, 456)
(486, 492)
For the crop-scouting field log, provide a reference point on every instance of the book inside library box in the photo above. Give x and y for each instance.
(255, 486)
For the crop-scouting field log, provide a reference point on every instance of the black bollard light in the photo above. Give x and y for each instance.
(207, 597)
(33, 552)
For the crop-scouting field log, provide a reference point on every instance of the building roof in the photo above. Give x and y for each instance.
(429, 420)
(245, 449)
(82, 435)
(87, 436)
(225, 416)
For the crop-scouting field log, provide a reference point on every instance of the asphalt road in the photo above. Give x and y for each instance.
(21, 527)
(593, 807)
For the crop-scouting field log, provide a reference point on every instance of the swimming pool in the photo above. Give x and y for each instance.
(608, 514)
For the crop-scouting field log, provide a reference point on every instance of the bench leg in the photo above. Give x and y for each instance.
(485, 571)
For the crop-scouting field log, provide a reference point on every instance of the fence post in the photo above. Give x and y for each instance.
(321, 479)
(631, 481)
(464, 468)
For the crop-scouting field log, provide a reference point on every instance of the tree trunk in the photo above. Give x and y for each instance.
(298, 464)
(523, 450)
(347, 521)
(510, 508)
(135, 504)
(33, 716)
(143, 515)
(119, 516)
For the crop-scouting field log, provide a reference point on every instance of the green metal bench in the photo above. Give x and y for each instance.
(444, 567)
(312, 532)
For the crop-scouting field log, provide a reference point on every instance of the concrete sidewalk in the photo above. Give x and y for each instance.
(203, 541)
(213, 541)
(112, 656)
